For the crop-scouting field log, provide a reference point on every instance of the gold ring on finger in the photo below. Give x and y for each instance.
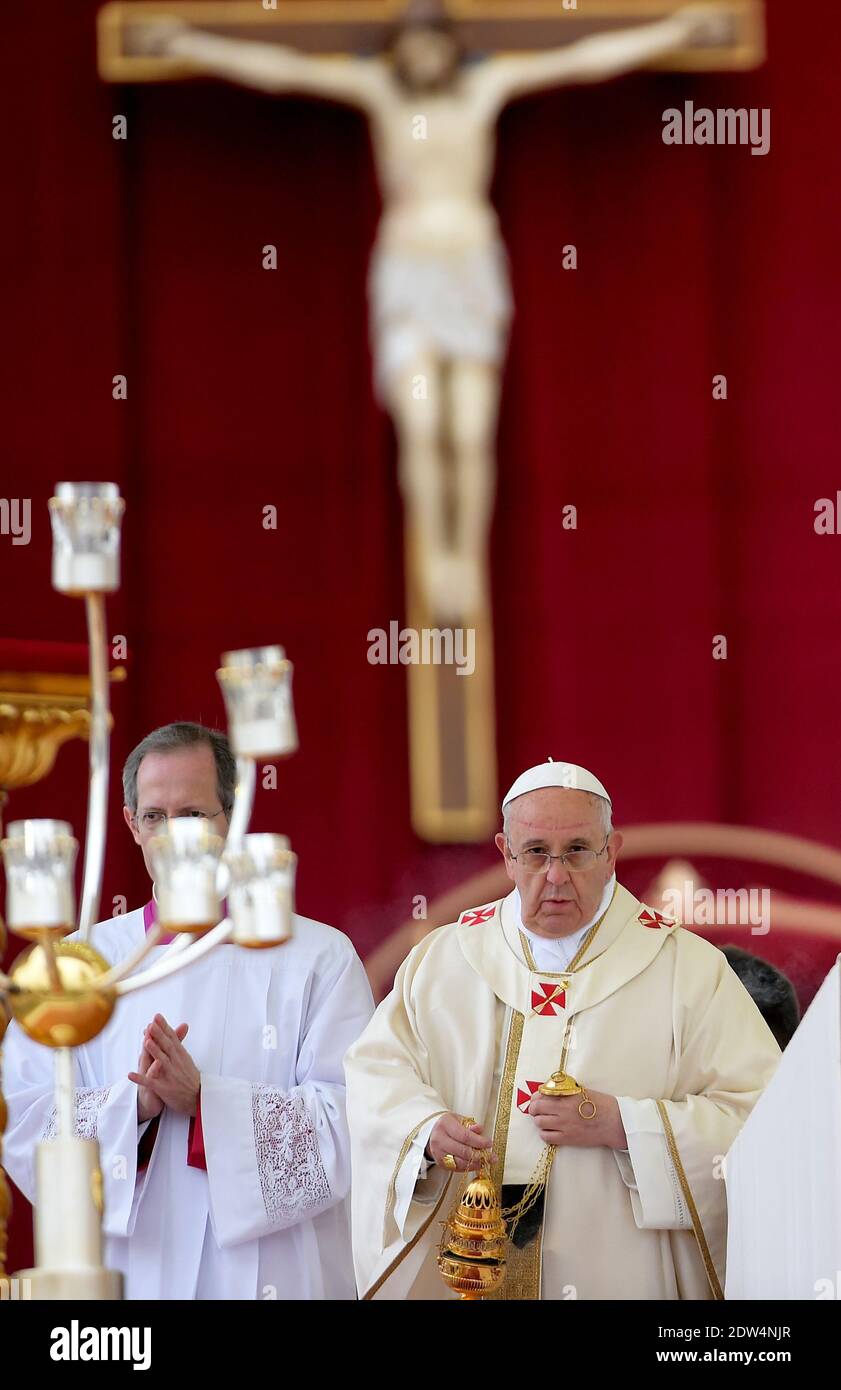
(449, 1162)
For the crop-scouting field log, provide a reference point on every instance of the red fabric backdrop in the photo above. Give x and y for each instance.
(247, 388)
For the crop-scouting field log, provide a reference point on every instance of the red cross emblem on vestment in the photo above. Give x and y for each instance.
(524, 1097)
(475, 915)
(548, 999)
(649, 918)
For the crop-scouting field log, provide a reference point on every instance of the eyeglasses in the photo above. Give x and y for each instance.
(537, 861)
(156, 820)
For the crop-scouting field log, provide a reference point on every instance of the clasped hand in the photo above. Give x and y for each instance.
(166, 1073)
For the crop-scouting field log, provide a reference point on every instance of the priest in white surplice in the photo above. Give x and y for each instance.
(569, 972)
(224, 1148)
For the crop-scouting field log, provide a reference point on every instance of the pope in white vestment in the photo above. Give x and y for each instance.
(570, 972)
(245, 1195)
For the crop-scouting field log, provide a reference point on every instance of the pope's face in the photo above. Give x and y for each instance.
(179, 782)
(557, 901)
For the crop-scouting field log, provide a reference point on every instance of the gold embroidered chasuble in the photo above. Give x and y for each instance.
(647, 1011)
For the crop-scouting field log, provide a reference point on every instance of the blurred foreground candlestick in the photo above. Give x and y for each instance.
(62, 993)
(257, 688)
(63, 1014)
(39, 856)
(68, 1224)
(86, 563)
(261, 897)
(185, 863)
(86, 537)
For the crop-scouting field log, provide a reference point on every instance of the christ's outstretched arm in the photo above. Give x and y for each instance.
(268, 67)
(598, 58)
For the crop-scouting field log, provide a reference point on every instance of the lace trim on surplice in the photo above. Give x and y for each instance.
(292, 1176)
(89, 1102)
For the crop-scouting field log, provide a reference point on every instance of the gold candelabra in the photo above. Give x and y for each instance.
(62, 992)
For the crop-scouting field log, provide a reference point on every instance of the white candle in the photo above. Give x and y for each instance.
(187, 896)
(39, 902)
(262, 912)
(263, 738)
(68, 1220)
(257, 688)
(86, 573)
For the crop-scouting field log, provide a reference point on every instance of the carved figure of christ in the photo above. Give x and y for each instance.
(439, 295)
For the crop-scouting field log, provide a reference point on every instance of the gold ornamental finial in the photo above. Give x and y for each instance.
(560, 1083)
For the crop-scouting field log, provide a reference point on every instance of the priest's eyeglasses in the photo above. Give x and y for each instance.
(156, 820)
(537, 861)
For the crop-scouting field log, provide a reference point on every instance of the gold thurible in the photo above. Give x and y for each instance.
(471, 1257)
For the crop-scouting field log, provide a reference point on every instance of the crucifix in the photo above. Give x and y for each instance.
(432, 77)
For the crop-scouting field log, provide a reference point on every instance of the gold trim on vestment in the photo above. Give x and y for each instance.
(522, 1270)
(407, 1144)
(698, 1229)
(539, 1180)
(410, 1245)
(506, 1093)
(523, 1266)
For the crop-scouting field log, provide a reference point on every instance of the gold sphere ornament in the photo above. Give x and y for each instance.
(56, 1001)
(471, 1258)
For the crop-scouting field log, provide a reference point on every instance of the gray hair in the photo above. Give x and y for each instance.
(603, 807)
(184, 734)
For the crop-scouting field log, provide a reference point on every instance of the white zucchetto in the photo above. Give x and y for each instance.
(552, 774)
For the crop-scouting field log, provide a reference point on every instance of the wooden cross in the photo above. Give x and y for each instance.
(452, 734)
(343, 27)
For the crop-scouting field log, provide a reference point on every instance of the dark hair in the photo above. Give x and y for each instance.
(771, 991)
(184, 734)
